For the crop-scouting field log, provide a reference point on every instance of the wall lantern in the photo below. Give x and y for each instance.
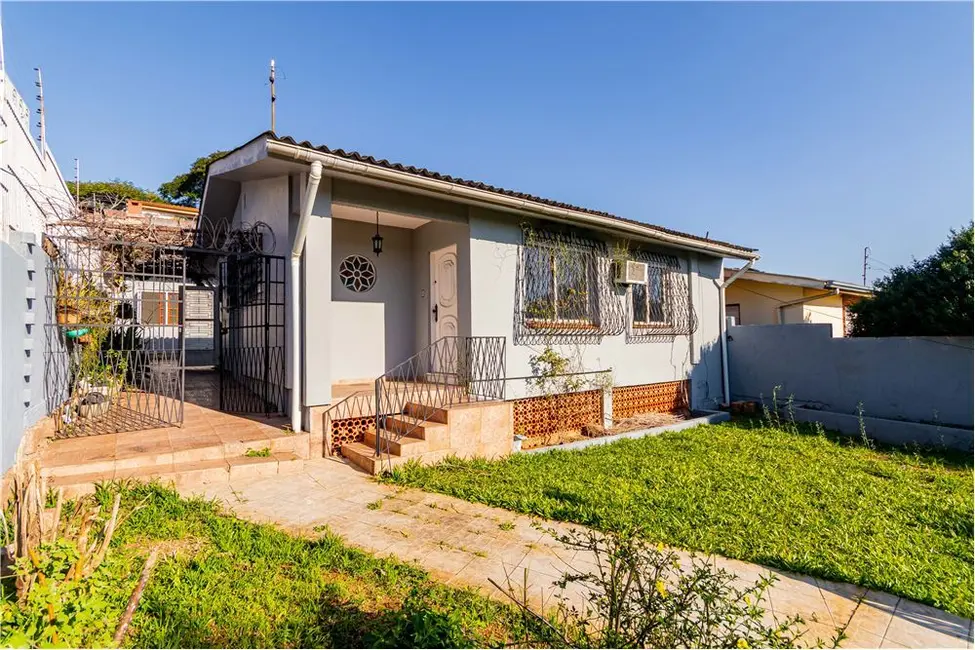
(377, 239)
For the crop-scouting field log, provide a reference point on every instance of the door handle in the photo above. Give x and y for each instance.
(436, 313)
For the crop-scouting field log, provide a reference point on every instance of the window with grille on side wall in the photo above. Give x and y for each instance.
(649, 301)
(160, 308)
(661, 305)
(559, 288)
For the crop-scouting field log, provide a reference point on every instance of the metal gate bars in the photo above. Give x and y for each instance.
(252, 334)
(114, 353)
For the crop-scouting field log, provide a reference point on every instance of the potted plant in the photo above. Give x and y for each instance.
(101, 375)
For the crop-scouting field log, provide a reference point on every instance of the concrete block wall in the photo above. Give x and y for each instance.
(915, 379)
(23, 341)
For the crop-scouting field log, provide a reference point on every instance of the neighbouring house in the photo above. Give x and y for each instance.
(452, 314)
(763, 298)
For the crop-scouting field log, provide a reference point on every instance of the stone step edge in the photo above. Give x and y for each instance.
(184, 475)
(298, 443)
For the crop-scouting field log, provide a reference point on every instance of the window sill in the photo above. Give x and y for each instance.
(651, 326)
(544, 323)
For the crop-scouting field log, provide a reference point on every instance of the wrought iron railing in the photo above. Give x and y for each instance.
(452, 370)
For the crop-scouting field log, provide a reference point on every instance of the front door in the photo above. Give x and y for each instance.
(443, 306)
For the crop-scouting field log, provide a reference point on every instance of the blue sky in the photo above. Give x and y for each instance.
(805, 130)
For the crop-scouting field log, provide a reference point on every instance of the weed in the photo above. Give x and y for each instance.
(375, 505)
(506, 525)
(867, 442)
(258, 453)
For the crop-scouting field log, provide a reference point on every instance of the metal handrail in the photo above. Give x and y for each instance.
(451, 370)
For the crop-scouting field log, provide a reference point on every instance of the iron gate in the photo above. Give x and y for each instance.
(114, 353)
(252, 334)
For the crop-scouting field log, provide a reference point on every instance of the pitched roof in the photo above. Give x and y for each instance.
(426, 173)
(799, 281)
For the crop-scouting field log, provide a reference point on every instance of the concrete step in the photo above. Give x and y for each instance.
(364, 457)
(178, 451)
(186, 475)
(424, 412)
(416, 427)
(405, 446)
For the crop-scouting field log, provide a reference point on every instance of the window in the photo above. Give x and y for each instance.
(733, 311)
(559, 288)
(160, 308)
(649, 301)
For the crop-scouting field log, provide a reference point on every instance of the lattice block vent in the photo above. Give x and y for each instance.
(537, 417)
(650, 398)
(350, 430)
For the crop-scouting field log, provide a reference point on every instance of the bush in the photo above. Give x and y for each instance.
(640, 596)
(932, 297)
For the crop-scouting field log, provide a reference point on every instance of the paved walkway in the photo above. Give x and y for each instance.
(465, 544)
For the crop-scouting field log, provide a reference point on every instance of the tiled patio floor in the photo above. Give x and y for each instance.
(202, 427)
(464, 543)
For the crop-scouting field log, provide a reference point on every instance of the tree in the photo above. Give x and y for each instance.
(113, 193)
(931, 297)
(187, 189)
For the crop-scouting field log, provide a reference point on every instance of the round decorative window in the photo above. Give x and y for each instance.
(357, 273)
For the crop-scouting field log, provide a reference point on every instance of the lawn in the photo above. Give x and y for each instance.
(896, 521)
(229, 583)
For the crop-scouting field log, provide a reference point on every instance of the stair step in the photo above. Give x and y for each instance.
(405, 446)
(186, 475)
(424, 412)
(415, 427)
(361, 455)
(364, 457)
(135, 457)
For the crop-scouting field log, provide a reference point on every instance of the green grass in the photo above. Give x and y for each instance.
(229, 583)
(896, 521)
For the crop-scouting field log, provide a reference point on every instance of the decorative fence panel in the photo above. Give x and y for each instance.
(650, 398)
(547, 415)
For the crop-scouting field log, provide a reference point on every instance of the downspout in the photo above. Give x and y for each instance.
(301, 232)
(778, 310)
(723, 328)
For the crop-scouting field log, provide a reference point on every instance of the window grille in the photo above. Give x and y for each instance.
(565, 290)
(661, 307)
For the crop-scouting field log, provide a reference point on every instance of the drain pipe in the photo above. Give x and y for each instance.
(301, 232)
(723, 327)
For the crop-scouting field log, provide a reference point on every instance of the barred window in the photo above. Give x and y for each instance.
(565, 291)
(559, 287)
(649, 301)
(661, 305)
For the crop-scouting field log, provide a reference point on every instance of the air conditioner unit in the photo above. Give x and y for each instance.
(630, 272)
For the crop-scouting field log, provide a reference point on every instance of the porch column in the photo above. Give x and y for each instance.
(316, 310)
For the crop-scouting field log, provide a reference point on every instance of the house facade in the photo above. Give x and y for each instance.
(405, 275)
(762, 298)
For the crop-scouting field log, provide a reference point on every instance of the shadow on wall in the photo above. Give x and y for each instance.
(779, 407)
(926, 380)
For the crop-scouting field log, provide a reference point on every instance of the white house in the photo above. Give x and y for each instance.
(471, 275)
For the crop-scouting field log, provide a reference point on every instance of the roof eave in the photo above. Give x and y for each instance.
(338, 166)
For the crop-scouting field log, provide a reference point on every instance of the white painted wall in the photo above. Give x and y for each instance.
(391, 330)
(33, 190)
(495, 240)
(266, 200)
(358, 341)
